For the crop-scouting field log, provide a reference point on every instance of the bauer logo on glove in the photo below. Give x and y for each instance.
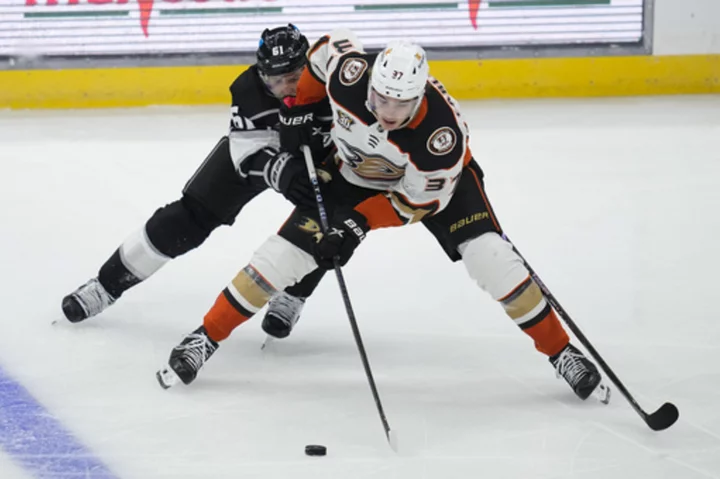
(346, 232)
(355, 229)
(296, 120)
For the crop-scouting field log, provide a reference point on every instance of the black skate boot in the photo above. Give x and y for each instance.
(580, 373)
(282, 314)
(88, 300)
(187, 358)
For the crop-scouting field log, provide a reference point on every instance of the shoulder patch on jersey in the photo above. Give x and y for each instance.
(352, 70)
(442, 141)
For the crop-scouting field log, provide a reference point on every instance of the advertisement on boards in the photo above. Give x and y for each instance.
(156, 27)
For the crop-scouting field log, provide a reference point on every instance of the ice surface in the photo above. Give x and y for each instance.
(613, 201)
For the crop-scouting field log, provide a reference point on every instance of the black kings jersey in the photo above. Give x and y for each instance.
(254, 119)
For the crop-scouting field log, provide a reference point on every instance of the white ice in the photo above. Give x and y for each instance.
(615, 202)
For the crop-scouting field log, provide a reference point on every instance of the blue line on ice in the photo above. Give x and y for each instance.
(37, 441)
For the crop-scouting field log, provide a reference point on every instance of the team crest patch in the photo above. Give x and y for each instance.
(308, 225)
(351, 71)
(323, 175)
(442, 141)
(344, 120)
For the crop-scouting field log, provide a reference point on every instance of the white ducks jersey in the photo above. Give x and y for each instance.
(418, 165)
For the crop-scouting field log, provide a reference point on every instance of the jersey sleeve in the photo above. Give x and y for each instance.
(249, 134)
(436, 158)
(325, 54)
(323, 58)
(423, 193)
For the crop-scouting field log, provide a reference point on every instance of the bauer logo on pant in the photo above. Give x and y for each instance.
(442, 141)
(469, 219)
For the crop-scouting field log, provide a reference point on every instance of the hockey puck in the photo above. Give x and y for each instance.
(315, 450)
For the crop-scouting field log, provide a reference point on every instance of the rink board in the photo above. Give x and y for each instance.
(466, 79)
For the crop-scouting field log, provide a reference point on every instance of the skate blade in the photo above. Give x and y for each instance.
(167, 377)
(61, 322)
(268, 341)
(602, 393)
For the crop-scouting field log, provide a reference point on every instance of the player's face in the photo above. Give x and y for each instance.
(391, 112)
(283, 85)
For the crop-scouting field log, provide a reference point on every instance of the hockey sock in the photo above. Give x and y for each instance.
(549, 336)
(246, 294)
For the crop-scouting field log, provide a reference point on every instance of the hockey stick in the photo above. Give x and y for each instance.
(661, 419)
(389, 434)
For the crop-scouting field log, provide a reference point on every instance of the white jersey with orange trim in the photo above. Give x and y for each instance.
(418, 165)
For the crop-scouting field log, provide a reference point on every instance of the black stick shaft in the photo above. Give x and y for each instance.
(345, 296)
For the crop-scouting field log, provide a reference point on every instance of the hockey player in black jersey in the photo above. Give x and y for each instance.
(223, 184)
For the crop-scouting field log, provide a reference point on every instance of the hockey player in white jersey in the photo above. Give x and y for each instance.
(403, 156)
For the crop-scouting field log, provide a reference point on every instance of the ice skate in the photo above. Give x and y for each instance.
(187, 358)
(87, 301)
(581, 374)
(282, 315)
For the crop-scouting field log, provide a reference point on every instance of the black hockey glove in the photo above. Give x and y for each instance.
(288, 175)
(346, 232)
(296, 126)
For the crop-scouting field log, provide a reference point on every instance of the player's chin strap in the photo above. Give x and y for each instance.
(324, 224)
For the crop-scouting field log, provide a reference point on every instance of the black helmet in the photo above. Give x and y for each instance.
(281, 50)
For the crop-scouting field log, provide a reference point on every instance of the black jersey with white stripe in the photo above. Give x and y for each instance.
(254, 119)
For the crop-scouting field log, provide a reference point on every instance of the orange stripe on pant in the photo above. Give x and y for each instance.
(549, 336)
(222, 319)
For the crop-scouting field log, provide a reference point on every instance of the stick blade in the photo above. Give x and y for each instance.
(663, 418)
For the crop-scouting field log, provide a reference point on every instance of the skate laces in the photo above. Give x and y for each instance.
(570, 366)
(196, 348)
(286, 307)
(93, 297)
